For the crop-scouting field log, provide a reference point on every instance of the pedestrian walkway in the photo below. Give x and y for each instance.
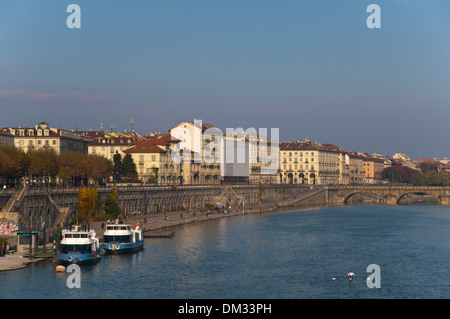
(16, 261)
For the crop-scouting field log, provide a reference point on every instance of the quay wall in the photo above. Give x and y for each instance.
(35, 207)
(38, 206)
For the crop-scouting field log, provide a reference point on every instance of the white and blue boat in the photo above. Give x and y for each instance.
(79, 247)
(122, 238)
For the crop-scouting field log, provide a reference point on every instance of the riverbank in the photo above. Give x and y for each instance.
(16, 261)
(153, 223)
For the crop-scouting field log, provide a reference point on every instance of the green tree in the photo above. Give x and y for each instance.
(118, 167)
(112, 208)
(129, 168)
(433, 178)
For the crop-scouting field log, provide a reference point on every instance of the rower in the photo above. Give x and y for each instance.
(351, 274)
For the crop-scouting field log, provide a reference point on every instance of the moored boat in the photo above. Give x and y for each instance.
(78, 246)
(121, 238)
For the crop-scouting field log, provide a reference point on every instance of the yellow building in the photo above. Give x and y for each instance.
(42, 135)
(373, 168)
(154, 162)
(6, 138)
(107, 144)
(356, 169)
(308, 163)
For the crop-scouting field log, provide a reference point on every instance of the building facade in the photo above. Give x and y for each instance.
(6, 138)
(373, 169)
(107, 144)
(308, 163)
(42, 135)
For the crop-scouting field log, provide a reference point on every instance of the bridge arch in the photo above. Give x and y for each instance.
(374, 196)
(421, 197)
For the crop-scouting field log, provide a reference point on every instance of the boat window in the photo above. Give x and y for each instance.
(116, 239)
(79, 249)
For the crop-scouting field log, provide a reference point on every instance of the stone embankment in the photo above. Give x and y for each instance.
(154, 224)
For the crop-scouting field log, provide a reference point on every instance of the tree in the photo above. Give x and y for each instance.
(87, 200)
(14, 163)
(74, 167)
(402, 174)
(112, 207)
(433, 178)
(426, 167)
(129, 168)
(43, 162)
(117, 168)
(99, 167)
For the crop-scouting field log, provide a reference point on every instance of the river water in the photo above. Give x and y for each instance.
(290, 255)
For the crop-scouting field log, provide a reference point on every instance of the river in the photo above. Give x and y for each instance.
(301, 254)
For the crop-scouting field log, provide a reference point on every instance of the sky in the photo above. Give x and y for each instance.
(313, 69)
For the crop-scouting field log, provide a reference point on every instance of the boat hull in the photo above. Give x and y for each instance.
(118, 248)
(79, 258)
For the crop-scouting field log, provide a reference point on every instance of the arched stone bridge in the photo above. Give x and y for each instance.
(390, 195)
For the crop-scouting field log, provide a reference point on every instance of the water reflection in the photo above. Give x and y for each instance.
(267, 256)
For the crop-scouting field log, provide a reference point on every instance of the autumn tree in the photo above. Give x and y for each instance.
(14, 163)
(99, 167)
(87, 198)
(73, 167)
(403, 174)
(43, 162)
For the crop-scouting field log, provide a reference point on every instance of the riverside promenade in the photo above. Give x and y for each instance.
(154, 224)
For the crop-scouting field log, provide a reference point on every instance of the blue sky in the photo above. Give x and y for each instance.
(313, 69)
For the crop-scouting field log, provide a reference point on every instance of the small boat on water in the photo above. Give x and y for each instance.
(78, 246)
(121, 238)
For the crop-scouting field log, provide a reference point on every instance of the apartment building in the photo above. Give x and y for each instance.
(42, 135)
(308, 163)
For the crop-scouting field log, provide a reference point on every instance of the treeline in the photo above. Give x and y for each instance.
(428, 175)
(45, 166)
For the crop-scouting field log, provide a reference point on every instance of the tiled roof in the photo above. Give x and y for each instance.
(305, 146)
(145, 146)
